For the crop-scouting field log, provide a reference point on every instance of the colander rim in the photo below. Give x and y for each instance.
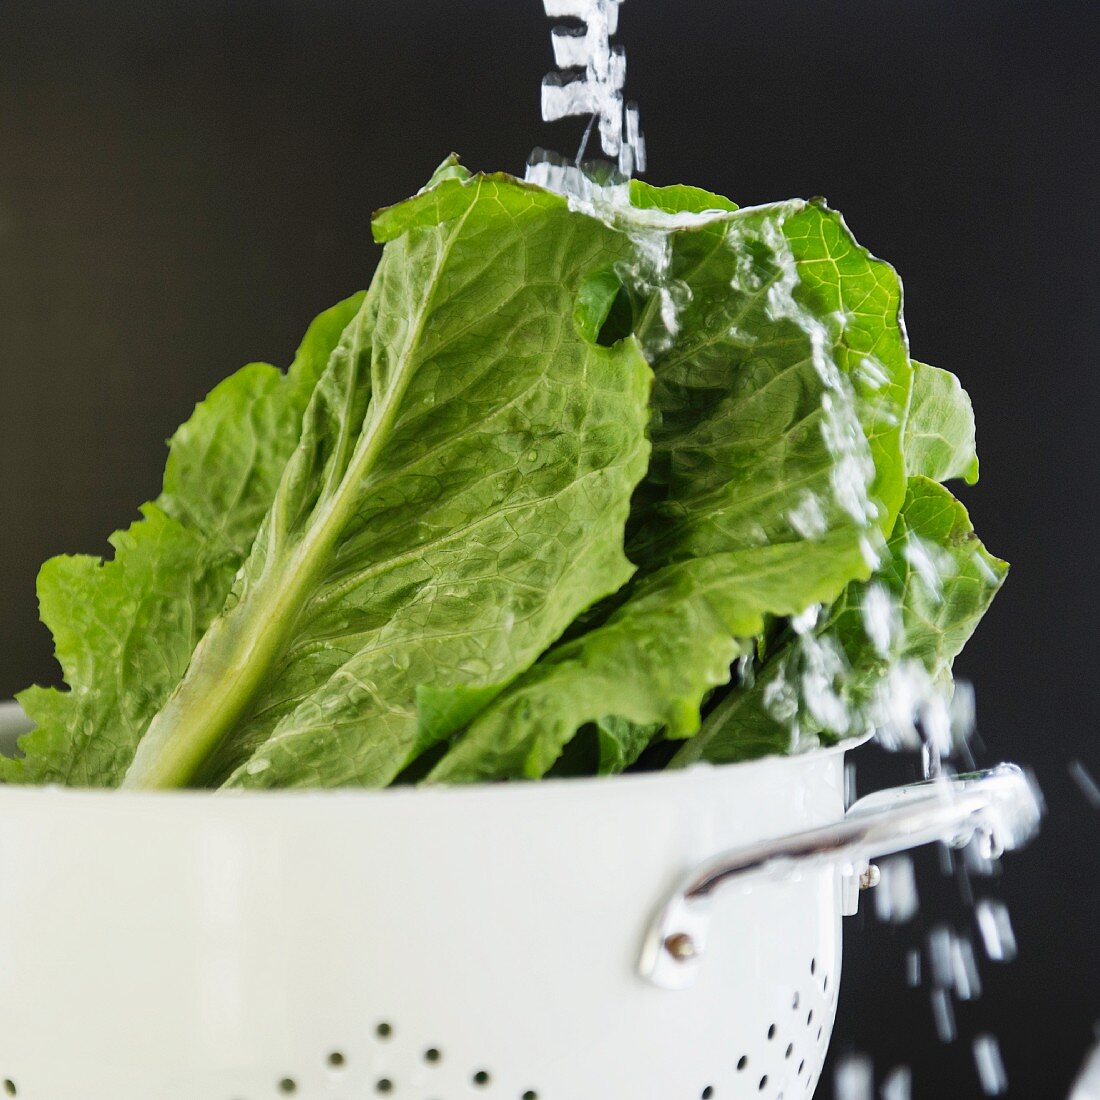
(545, 788)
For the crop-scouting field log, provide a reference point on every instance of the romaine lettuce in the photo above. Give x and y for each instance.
(560, 470)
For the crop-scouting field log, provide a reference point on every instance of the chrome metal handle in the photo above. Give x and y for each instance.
(1001, 807)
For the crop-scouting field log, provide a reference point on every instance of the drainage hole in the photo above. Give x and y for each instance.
(384, 1030)
(482, 1078)
(771, 1032)
(708, 1092)
(763, 1083)
(9, 1087)
(809, 1017)
(742, 1062)
(336, 1059)
(813, 966)
(789, 1051)
(530, 1094)
(384, 1084)
(432, 1055)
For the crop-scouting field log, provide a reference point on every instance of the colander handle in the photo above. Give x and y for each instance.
(1000, 807)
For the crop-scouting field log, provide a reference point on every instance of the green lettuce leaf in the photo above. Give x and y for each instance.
(939, 431)
(845, 674)
(125, 629)
(524, 506)
(648, 667)
(781, 380)
(679, 198)
(457, 497)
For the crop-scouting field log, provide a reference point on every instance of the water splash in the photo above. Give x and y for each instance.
(911, 708)
(948, 965)
(590, 77)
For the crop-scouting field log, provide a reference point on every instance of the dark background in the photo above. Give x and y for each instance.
(184, 184)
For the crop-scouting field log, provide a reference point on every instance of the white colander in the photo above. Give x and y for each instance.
(513, 942)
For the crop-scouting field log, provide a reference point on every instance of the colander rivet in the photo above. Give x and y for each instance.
(870, 878)
(681, 946)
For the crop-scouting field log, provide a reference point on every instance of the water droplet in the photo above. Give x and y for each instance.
(881, 617)
(808, 517)
(953, 964)
(1089, 788)
(475, 666)
(898, 1084)
(990, 1065)
(805, 621)
(854, 1078)
(944, 1016)
(995, 927)
(1087, 1085)
(912, 968)
(896, 898)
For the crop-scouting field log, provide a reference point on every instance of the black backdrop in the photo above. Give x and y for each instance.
(185, 183)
